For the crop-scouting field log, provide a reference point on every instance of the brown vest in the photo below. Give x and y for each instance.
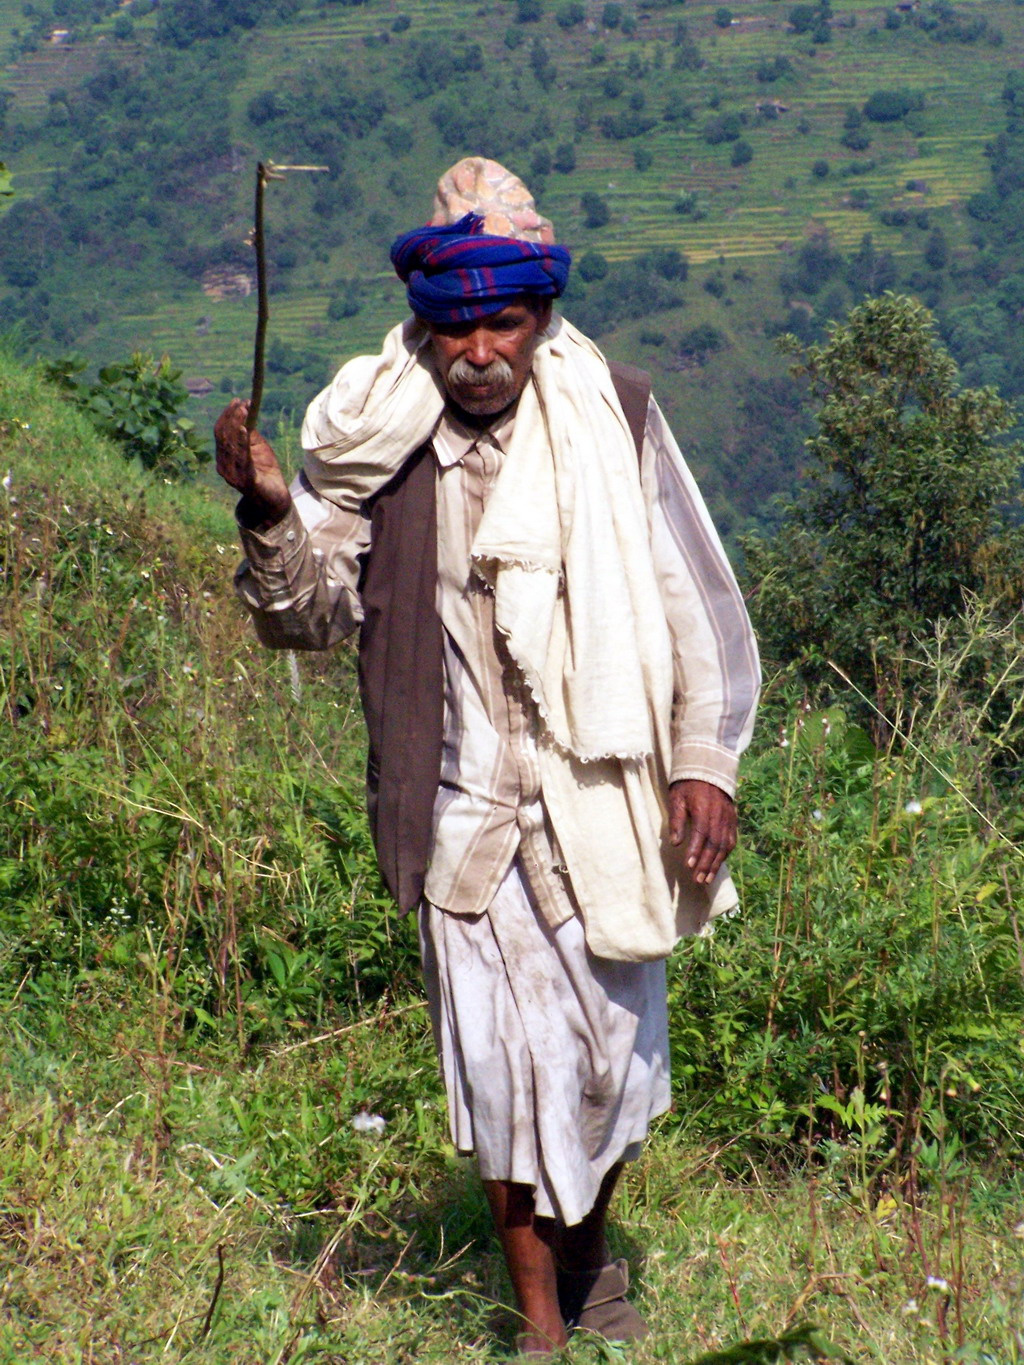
(401, 659)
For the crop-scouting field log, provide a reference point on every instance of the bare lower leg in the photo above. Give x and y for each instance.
(526, 1241)
(584, 1245)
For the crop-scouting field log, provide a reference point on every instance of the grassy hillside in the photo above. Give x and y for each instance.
(642, 93)
(201, 988)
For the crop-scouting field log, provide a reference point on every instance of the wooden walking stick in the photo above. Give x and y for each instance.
(265, 172)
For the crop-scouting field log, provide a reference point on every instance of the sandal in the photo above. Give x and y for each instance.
(595, 1300)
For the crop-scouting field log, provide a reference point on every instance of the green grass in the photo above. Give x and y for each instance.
(110, 1255)
(189, 903)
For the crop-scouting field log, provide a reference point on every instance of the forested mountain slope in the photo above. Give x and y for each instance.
(721, 175)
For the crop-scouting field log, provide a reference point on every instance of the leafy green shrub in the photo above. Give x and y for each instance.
(137, 404)
(870, 992)
(690, 205)
(722, 128)
(702, 341)
(856, 139)
(570, 14)
(346, 302)
(742, 153)
(628, 123)
(775, 68)
(666, 261)
(167, 811)
(803, 18)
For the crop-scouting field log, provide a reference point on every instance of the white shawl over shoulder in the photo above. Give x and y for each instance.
(564, 544)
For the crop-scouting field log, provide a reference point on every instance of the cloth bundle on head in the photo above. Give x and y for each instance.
(478, 185)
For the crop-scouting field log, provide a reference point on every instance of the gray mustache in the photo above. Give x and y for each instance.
(463, 371)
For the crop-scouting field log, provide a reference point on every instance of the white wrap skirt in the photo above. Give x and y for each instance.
(554, 1061)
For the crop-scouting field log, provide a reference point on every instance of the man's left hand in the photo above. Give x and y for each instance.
(708, 816)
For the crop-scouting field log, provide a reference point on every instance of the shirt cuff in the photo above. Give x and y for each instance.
(285, 539)
(705, 761)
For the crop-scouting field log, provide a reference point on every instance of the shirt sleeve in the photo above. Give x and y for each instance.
(717, 677)
(299, 579)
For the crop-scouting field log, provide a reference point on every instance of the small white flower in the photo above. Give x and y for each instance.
(936, 1282)
(913, 808)
(369, 1123)
(144, 574)
(8, 482)
(909, 1308)
(816, 814)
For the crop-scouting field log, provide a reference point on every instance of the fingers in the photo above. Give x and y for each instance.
(710, 816)
(233, 446)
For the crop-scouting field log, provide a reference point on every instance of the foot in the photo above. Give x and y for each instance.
(536, 1346)
(596, 1302)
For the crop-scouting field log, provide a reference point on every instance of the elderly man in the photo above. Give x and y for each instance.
(557, 674)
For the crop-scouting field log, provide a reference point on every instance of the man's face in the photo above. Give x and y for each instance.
(485, 363)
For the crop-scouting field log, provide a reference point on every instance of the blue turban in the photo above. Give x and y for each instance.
(457, 272)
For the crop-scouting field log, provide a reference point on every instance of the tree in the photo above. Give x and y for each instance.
(887, 106)
(595, 210)
(906, 506)
(936, 252)
(540, 163)
(869, 270)
(592, 266)
(802, 18)
(564, 160)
